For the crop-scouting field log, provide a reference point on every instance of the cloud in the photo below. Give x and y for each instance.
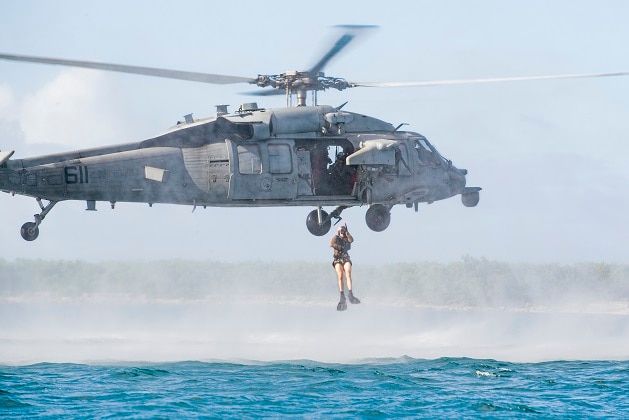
(78, 108)
(11, 136)
(6, 99)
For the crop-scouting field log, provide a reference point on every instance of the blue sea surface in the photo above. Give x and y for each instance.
(406, 387)
(179, 339)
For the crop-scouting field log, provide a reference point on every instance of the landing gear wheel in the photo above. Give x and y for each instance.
(312, 223)
(29, 231)
(378, 217)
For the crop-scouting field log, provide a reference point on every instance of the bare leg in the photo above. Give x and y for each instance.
(348, 275)
(339, 273)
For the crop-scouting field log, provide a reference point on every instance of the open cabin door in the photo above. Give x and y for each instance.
(263, 170)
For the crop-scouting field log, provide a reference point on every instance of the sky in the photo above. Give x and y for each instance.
(549, 155)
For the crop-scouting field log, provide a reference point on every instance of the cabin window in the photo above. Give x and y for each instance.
(280, 159)
(249, 161)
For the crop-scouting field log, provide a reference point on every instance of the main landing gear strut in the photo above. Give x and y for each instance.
(30, 230)
(378, 217)
(319, 222)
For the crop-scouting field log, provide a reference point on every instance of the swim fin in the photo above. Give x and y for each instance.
(341, 305)
(352, 298)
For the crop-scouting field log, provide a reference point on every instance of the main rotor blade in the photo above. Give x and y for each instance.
(341, 43)
(146, 71)
(266, 92)
(486, 80)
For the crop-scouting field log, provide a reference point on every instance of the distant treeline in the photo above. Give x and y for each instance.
(476, 282)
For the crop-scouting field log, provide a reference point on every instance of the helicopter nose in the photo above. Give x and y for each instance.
(457, 180)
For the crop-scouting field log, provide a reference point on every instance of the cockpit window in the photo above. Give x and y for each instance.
(444, 160)
(425, 153)
(423, 143)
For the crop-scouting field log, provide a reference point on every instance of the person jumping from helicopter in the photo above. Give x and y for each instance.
(341, 243)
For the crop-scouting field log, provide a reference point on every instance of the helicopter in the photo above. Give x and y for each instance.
(255, 157)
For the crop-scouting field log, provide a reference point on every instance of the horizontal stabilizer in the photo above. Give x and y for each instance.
(4, 156)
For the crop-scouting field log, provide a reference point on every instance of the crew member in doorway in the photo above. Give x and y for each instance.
(320, 160)
(342, 242)
(342, 176)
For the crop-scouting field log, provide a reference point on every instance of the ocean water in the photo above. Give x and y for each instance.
(405, 387)
(546, 341)
(80, 359)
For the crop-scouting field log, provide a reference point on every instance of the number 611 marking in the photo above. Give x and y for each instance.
(76, 174)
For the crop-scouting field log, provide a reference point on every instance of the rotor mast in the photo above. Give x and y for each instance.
(298, 83)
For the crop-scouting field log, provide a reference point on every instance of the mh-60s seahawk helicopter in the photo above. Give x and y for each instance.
(255, 157)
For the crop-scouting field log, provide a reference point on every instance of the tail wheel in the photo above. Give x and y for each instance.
(312, 223)
(378, 217)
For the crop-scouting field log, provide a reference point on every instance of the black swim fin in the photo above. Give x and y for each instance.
(353, 299)
(341, 305)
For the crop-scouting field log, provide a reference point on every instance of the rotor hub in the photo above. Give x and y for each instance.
(292, 81)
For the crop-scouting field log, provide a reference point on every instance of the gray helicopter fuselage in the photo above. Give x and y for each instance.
(253, 158)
